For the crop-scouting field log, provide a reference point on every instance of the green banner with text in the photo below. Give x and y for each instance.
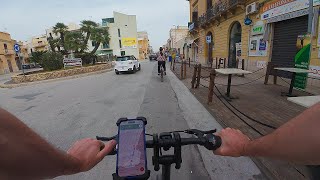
(302, 60)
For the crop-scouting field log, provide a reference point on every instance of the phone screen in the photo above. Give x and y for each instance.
(131, 159)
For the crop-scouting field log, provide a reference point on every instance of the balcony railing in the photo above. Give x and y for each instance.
(220, 9)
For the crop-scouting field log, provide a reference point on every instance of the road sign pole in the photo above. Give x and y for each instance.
(16, 48)
(21, 62)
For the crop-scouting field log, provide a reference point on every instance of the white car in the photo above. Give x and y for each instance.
(127, 64)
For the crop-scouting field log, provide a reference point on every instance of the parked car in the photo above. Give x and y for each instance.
(153, 56)
(127, 64)
(26, 66)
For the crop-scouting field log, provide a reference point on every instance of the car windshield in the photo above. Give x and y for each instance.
(125, 58)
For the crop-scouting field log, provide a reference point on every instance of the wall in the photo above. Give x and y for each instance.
(58, 74)
(128, 29)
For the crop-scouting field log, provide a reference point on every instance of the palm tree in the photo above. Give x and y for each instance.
(86, 27)
(75, 41)
(99, 35)
(61, 29)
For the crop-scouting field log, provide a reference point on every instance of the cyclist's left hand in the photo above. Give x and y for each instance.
(88, 152)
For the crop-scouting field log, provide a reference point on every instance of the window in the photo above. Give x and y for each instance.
(209, 4)
(120, 45)
(5, 46)
(119, 34)
(50, 34)
(105, 45)
(123, 53)
(93, 44)
(31, 50)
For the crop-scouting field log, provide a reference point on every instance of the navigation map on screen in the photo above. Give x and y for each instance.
(131, 152)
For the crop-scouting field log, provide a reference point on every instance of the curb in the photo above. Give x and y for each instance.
(10, 86)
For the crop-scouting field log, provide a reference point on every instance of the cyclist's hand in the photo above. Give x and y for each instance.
(233, 143)
(88, 152)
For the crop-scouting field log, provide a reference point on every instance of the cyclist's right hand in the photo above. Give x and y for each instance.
(233, 143)
(89, 152)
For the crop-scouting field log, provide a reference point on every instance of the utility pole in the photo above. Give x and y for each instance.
(310, 17)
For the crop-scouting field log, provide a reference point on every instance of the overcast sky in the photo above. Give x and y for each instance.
(26, 18)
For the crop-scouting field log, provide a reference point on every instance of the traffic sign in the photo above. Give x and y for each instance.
(208, 39)
(16, 48)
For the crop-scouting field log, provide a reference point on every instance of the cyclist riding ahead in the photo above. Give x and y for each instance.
(161, 61)
(25, 155)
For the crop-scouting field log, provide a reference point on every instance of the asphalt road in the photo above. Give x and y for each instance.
(65, 111)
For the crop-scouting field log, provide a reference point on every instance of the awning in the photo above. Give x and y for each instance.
(193, 41)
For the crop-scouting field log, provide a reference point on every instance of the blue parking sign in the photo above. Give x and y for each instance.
(16, 48)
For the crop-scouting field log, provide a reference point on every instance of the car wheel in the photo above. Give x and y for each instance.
(134, 69)
(117, 72)
(139, 67)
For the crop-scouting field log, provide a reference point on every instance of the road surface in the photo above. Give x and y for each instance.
(66, 111)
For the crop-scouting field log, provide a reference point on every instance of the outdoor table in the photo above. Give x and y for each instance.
(230, 72)
(305, 101)
(294, 72)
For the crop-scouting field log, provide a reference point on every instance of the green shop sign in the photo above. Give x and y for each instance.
(258, 29)
(302, 60)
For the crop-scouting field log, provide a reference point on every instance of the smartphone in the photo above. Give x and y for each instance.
(131, 156)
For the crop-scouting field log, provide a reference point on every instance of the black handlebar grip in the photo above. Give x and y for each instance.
(213, 142)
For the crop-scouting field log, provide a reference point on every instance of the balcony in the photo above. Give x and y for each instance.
(193, 26)
(219, 10)
(37, 45)
(8, 52)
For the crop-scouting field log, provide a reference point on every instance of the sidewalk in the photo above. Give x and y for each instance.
(7, 77)
(196, 115)
(259, 102)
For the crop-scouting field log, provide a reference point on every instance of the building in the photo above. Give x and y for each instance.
(257, 31)
(143, 44)
(24, 54)
(176, 34)
(37, 44)
(9, 61)
(123, 36)
(51, 35)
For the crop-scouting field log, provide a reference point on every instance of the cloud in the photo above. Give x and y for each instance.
(24, 19)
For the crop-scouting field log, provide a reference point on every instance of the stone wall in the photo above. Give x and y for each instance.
(59, 74)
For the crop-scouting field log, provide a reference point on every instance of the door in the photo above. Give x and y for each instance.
(9, 65)
(284, 42)
(235, 37)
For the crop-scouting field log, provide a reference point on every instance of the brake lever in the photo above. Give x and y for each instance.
(114, 151)
(107, 138)
(200, 133)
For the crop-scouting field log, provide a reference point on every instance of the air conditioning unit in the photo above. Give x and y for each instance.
(252, 8)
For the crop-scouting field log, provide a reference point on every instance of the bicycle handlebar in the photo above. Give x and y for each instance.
(166, 141)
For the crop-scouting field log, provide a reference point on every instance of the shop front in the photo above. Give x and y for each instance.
(289, 22)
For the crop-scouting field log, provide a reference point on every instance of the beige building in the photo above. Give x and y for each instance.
(123, 36)
(260, 32)
(176, 34)
(37, 44)
(9, 61)
(143, 44)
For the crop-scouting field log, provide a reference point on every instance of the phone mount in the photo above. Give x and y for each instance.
(126, 119)
(147, 173)
(166, 160)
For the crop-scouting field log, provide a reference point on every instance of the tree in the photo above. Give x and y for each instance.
(61, 29)
(75, 41)
(37, 57)
(86, 27)
(52, 61)
(99, 35)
